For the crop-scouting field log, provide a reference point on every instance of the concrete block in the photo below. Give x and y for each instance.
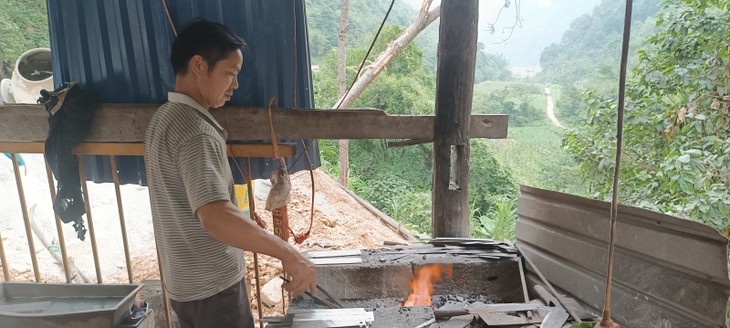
(271, 292)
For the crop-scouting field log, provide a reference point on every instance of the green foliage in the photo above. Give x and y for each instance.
(524, 102)
(405, 87)
(535, 158)
(488, 178)
(323, 19)
(676, 135)
(23, 26)
(328, 157)
(588, 56)
(364, 19)
(499, 222)
(583, 325)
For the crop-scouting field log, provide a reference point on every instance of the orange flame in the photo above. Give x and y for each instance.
(422, 285)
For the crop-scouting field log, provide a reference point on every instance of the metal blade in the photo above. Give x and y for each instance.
(555, 319)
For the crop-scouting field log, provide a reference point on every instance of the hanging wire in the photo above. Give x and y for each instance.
(606, 317)
(169, 17)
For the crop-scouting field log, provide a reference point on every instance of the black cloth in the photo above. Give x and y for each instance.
(228, 308)
(71, 111)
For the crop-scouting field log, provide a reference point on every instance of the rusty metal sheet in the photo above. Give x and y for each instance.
(668, 272)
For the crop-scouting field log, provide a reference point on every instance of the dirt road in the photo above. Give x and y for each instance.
(550, 109)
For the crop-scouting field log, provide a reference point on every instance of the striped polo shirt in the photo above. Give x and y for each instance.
(187, 167)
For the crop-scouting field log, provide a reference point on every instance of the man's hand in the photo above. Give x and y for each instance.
(225, 222)
(302, 272)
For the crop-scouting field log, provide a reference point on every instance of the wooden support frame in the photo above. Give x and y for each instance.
(137, 149)
(452, 129)
(126, 123)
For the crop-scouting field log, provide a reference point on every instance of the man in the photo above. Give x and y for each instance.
(200, 232)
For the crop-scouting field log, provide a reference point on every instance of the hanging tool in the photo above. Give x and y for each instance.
(280, 193)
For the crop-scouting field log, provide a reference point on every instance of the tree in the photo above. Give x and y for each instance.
(490, 67)
(425, 17)
(676, 136)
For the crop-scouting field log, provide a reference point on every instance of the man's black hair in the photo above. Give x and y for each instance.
(210, 40)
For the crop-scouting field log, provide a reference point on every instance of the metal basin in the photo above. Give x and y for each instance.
(65, 305)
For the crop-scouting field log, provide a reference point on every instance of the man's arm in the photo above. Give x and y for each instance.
(227, 223)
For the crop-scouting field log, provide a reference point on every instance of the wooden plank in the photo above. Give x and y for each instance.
(22, 147)
(452, 129)
(126, 123)
(137, 149)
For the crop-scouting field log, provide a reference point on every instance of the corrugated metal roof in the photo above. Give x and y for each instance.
(121, 49)
(669, 272)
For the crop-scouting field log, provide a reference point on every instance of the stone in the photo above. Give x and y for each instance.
(271, 292)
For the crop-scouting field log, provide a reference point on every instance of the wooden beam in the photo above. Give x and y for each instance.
(126, 123)
(137, 149)
(454, 90)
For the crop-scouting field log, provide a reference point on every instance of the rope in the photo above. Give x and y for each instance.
(274, 143)
(298, 238)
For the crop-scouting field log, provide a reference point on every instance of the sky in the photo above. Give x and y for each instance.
(541, 23)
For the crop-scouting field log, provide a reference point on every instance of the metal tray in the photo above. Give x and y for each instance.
(65, 305)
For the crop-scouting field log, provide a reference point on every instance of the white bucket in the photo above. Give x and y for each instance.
(33, 73)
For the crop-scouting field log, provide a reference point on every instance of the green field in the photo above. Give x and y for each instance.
(535, 156)
(488, 95)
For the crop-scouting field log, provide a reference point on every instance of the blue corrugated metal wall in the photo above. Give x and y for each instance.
(121, 49)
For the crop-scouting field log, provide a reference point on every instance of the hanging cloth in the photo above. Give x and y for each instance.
(71, 111)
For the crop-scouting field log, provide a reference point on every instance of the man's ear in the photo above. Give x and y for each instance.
(197, 65)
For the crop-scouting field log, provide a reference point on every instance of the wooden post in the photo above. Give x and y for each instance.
(454, 90)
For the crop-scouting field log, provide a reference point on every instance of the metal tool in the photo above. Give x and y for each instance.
(428, 323)
(547, 283)
(555, 319)
(319, 318)
(335, 303)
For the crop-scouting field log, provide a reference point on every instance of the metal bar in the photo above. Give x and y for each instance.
(4, 261)
(548, 284)
(165, 298)
(59, 229)
(252, 212)
(122, 223)
(524, 285)
(85, 191)
(26, 217)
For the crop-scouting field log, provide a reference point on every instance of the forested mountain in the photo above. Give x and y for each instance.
(592, 44)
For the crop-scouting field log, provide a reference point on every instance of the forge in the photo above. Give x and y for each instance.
(473, 274)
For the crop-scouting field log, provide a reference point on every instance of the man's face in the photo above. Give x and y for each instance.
(217, 85)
